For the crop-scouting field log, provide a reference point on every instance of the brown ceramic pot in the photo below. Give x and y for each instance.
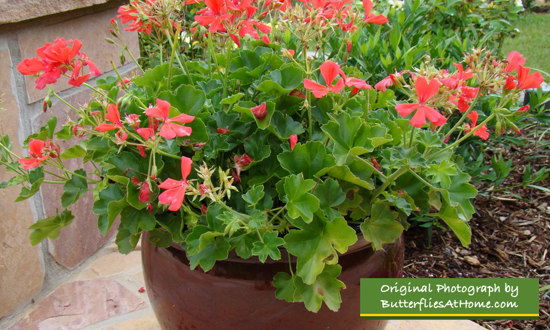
(238, 294)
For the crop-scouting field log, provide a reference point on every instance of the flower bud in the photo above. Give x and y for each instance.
(259, 111)
(293, 140)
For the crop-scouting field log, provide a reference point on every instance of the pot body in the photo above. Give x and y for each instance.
(238, 294)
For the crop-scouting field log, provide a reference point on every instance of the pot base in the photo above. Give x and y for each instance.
(238, 294)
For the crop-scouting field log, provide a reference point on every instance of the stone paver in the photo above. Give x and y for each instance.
(77, 304)
(433, 325)
(105, 295)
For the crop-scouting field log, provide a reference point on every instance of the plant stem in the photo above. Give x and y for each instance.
(459, 141)
(461, 120)
(183, 64)
(412, 136)
(389, 180)
(421, 179)
(63, 101)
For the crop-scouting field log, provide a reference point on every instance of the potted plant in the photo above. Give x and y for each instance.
(258, 161)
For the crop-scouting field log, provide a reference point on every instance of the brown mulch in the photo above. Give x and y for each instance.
(510, 238)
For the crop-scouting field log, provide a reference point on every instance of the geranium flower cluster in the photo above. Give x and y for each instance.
(140, 16)
(57, 59)
(169, 129)
(233, 17)
(439, 89)
(329, 71)
(39, 151)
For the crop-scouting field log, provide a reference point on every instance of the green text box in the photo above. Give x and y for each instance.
(450, 298)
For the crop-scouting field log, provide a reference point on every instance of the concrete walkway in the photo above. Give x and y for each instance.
(108, 293)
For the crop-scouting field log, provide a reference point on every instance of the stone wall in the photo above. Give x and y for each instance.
(28, 272)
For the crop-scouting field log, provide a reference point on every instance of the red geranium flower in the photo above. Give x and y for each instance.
(370, 17)
(510, 83)
(479, 131)
(526, 80)
(39, 151)
(214, 15)
(175, 189)
(170, 129)
(424, 91)
(113, 115)
(515, 60)
(56, 59)
(329, 71)
(383, 84)
(356, 83)
(138, 14)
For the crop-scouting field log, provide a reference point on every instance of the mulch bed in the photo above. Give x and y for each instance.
(510, 238)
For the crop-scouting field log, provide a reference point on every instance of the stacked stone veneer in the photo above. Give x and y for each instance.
(28, 272)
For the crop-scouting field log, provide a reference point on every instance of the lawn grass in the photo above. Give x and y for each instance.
(533, 41)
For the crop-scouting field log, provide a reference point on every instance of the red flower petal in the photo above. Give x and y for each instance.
(426, 90)
(103, 127)
(171, 130)
(317, 89)
(30, 66)
(404, 109)
(329, 71)
(185, 167)
(183, 118)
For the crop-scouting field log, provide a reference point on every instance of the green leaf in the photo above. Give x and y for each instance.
(153, 78)
(344, 173)
(217, 248)
(329, 193)
(306, 159)
(283, 80)
(132, 196)
(254, 195)
(288, 288)
(317, 245)
(231, 221)
(268, 247)
(199, 133)
(459, 195)
(128, 164)
(109, 204)
(300, 202)
(137, 220)
(173, 224)
(65, 133)
(325, 288)
(74, 188)
(442, 172)
(460, 227)
(381, 226)
(126, 241)
(230, 100)
(284, 126)
(215, 145)
(13, 181)
(160, 238)
(257, 146)
(243, 244)
(75, 151)
(35, 178)
(349, 134)
(186, 98)
(50, 227)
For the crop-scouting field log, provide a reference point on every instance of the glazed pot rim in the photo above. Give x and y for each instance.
(360, 244)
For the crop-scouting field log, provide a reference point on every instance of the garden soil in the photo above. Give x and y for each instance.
(510, 238)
